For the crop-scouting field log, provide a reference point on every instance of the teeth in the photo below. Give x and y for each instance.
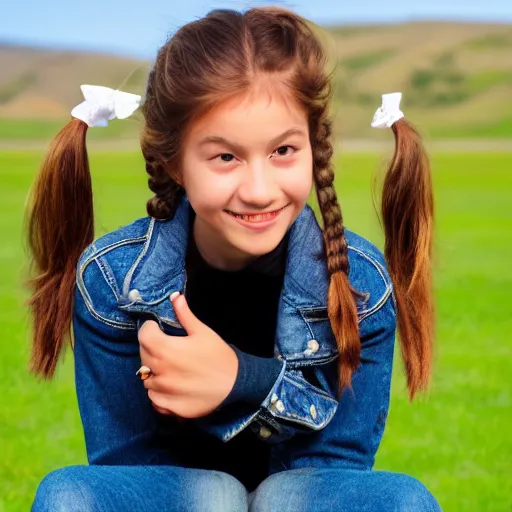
(255, 218)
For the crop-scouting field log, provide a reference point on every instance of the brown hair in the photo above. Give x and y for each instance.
(204, 62)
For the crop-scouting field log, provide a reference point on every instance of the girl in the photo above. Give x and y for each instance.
(229, 354)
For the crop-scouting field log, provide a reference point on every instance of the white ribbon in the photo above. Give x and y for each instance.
(389, 112)
(103, 104)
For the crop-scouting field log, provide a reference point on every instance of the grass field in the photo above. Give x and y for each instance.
(457, 440)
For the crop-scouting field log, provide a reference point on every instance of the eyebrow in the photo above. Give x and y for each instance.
(239, 148)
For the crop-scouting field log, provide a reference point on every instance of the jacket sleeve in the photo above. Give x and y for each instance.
(306, 422)
(120, 425)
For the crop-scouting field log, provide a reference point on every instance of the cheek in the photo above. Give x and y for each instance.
(297, 184)
(207, 192)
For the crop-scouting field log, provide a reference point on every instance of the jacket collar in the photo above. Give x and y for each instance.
(160, 270)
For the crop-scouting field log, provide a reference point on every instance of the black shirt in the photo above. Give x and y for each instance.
(241, 307)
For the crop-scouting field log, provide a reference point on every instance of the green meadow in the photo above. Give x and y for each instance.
(456, 439)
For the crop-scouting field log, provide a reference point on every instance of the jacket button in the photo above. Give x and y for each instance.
(134, 295)
(265, 433)
(280, 406)
(312, 411)
(313, 346)
(274, 398)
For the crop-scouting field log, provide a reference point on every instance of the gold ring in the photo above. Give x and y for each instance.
(144, 372)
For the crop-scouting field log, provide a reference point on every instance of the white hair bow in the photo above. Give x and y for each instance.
(103, 104)
(389, 113)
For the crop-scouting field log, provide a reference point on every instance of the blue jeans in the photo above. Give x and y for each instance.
(177, 489)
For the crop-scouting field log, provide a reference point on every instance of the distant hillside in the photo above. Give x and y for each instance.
(456, 79)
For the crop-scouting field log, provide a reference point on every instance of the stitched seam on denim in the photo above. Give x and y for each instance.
(377, 306)
(382, 300)
(88, 304)
(112, 323)
(308, 386)
(164, 319)
(129, 275)
(295, 418)
(380, 269)
(147, 303)
(302, 362)
(108, 275)
(80, 281)
(106, 321)
(108, 248)
(301, 420)
(94, 255)
(299, 308)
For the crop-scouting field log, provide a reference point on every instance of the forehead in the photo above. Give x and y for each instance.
(261, 113)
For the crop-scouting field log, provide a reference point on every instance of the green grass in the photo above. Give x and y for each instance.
(500, 129)
(457, 441)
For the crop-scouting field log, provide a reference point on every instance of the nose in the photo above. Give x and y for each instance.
(257, 186)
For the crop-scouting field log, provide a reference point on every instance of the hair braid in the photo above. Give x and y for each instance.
(340, 304)
(167, 191)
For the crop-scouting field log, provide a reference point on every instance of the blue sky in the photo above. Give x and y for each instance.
(139, 27)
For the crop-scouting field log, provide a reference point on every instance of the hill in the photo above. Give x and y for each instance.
(456, 79)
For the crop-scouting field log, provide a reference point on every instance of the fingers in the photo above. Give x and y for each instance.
(163, 411)
(152, 341)
(158, 398)
(160, 401)
(150, 335)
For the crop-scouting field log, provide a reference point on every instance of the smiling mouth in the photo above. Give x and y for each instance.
(257, 217)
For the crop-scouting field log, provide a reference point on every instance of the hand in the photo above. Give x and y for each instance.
(192, 374)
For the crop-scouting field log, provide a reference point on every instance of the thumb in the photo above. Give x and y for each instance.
(186, 318)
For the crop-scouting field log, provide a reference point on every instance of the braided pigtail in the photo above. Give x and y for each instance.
(167, 191)
(159, 145)
(341, 304)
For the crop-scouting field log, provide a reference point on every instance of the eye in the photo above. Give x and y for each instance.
(226, 157)
(284, 150)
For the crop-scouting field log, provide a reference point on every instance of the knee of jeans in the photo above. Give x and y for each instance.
(281, 492)
(63, 490)
(413, 496)
(220, 491)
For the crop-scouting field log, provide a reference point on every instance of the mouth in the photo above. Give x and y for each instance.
(256, 217)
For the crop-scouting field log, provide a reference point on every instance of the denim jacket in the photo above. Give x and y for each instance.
(129, 274)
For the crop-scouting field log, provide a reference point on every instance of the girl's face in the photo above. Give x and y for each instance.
(247, 168)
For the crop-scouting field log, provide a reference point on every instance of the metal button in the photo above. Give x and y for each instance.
(265, 432)
(134, 295)
(274, 398)
(312, 411)
(313, 346)
(280, 406)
